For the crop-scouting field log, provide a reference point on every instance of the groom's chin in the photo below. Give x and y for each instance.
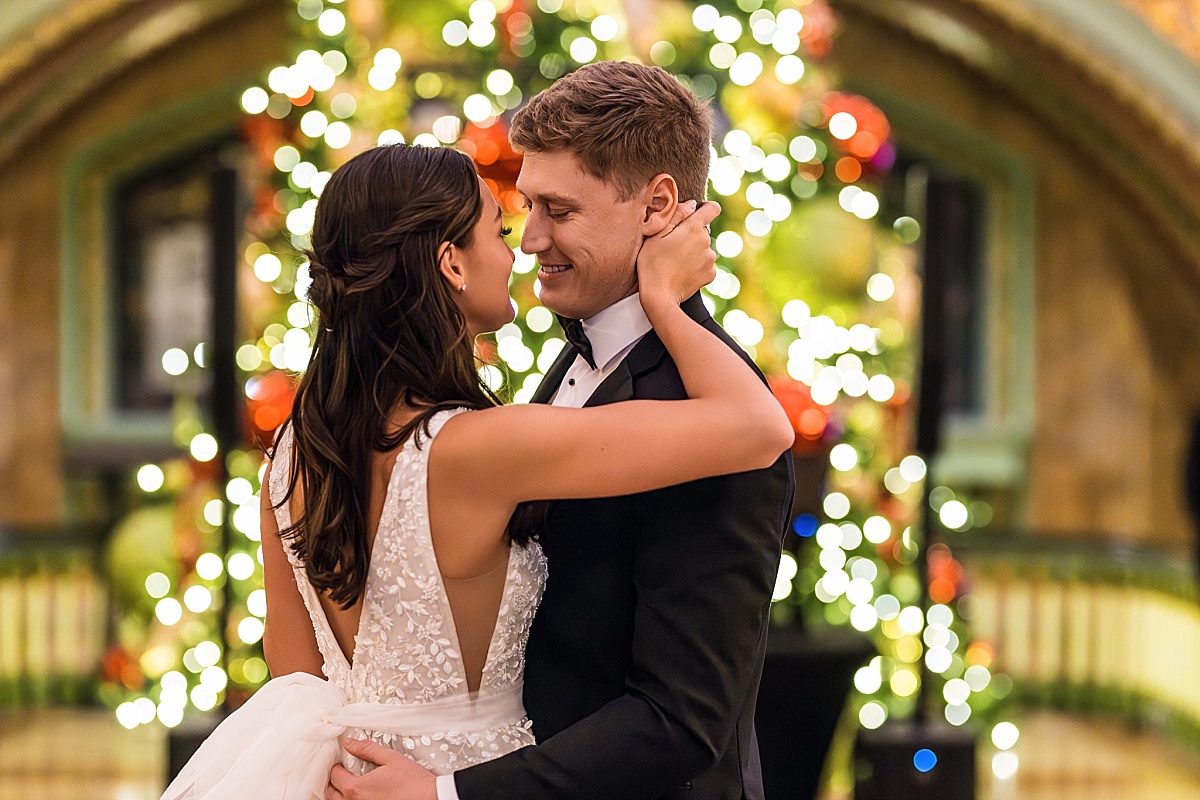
(562, 301)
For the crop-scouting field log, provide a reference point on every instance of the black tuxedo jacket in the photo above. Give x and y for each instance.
(644, 659)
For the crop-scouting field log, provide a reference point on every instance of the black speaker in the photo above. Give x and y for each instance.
(911, 761)
(806, 679)
(185, 739)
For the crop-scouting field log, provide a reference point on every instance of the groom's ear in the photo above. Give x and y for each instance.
(660, 197)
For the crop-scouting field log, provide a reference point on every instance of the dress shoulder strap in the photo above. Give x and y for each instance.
(281, 464)
(440, 419)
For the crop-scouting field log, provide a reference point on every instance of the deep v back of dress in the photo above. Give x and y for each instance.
(406, 651)
(474, 602)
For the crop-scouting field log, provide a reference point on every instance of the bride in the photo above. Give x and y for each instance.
(398, 601)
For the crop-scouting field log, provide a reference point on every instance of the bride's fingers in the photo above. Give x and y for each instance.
(706, 213)
(682, 212)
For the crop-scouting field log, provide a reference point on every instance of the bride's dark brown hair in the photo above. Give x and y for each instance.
(388, 333)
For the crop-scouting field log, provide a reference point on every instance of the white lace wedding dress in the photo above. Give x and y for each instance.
(405, 687)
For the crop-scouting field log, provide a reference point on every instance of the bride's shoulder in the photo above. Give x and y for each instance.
(480, 438)
(461, 431)
(484, 419)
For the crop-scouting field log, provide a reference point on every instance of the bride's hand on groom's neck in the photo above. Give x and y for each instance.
(395, 777)
(676, 262)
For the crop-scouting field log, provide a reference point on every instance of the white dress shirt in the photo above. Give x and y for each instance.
(613, 333)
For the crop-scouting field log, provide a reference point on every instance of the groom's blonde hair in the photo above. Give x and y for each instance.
(625, 123)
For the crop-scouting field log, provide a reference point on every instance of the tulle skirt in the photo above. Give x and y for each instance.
(282, 744)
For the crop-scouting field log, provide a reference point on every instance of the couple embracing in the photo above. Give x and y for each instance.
(565, 599)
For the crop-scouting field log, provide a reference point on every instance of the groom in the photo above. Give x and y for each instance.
(644, 660)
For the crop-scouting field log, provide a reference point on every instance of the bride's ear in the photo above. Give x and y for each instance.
(451, 266)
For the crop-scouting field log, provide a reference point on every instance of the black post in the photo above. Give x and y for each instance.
(1191, 489)
(225, 399)
(939, 249)
(888, 757)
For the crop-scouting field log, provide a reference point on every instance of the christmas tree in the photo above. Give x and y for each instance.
(817, 278)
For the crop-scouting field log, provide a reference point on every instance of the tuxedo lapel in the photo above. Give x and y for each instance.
(616, 387)
(694, 307)
(554, 375)
(645, 356)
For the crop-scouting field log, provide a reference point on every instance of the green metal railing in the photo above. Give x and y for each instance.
(1090, 625)
(54, 617)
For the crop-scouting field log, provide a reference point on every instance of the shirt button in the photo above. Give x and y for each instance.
(570, 381)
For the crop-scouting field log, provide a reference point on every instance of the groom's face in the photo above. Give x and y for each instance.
(585, 237)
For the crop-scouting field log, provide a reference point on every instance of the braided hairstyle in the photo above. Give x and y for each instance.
(388, 333)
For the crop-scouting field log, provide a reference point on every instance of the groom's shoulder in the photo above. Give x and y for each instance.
(712, 325)
(715, 328)
(662, 382)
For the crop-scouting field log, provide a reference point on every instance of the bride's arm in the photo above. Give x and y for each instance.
(288, 641)
(730, 423)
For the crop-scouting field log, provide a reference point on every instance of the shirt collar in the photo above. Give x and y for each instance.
(614, 329)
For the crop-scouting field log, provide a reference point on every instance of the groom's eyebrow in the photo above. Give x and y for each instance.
(549, 199)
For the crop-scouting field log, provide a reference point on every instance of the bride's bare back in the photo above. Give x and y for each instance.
(400, 644)
(474, 596)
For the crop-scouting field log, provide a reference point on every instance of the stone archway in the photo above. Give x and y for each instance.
(75, 74)
(1092, 67)
(56, 53)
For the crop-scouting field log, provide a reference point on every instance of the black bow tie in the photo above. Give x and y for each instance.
(577, 336)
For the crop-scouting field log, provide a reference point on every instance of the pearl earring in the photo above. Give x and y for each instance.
(462, 288)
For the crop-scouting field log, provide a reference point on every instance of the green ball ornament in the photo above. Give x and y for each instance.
(822, 250)
(142, 543)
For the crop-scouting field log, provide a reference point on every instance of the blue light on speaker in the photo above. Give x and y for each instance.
(804, 525)
(924, 760)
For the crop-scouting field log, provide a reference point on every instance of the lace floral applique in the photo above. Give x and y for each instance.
(405, 650)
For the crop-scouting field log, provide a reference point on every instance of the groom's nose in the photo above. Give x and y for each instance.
(535, 237)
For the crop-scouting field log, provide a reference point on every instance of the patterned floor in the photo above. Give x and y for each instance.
(61, 754)
(85, 755)
(1079, 758)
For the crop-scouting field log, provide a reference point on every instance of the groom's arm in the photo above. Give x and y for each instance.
(707, 557)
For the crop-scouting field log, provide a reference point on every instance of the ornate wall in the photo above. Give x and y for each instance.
(90, 74)
(1086, 127)
(1115, 255)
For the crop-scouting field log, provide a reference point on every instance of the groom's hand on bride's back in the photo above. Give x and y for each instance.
(395, 777)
